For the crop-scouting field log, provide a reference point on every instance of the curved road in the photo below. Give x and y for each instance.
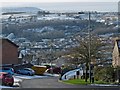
(52, 82)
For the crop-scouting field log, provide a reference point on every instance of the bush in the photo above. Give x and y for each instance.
(104, 74)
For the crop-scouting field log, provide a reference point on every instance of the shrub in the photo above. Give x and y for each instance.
(104, 74)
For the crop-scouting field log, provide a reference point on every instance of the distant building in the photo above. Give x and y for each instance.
(8, 52)
(116, 53)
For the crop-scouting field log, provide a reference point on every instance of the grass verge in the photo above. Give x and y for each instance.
(82, 82)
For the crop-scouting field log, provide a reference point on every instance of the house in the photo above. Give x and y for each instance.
(116, 54)
(8, 52)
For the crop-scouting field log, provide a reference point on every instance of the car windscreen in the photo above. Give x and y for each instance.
(5, 68)
(8, 75)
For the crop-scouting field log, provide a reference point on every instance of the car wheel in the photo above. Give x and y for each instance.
(3, 82)
(28, 74)
(11, 84)
(18, 72)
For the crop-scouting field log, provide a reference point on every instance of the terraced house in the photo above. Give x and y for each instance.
(8, 52)
(116, 53)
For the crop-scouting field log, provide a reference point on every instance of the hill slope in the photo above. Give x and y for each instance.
(20, 9)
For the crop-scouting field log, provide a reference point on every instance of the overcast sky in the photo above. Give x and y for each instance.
(59, 0)
(61, 5)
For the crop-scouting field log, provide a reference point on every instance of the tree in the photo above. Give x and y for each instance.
(91, 44)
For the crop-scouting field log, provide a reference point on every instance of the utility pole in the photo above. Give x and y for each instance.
(88, 64)
(89, 44)
(51, 53)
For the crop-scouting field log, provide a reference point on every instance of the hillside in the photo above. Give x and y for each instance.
(20, 9)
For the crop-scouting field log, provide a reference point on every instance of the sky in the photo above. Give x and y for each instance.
(95, 5)
(59, 0)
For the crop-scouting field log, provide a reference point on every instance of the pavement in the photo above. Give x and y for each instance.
(105, 85)
(29, 77)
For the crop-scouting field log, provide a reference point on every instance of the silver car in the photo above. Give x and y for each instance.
(26, 71)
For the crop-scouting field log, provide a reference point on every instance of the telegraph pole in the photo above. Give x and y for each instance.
(89, 47)
(51, 53)
(89, 44)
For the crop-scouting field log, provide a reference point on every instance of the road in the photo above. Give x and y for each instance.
(47, 82)
(52, 82)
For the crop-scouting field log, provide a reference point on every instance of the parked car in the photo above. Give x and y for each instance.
(8, 70)
(26, 71)
(56, 70)
(6, 79)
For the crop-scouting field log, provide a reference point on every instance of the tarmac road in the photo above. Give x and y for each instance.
(52, 82)
(49, 82)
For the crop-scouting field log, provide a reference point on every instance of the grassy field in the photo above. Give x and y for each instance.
(82, 82)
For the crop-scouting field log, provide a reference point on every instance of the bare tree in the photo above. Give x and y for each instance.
(82, 51)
